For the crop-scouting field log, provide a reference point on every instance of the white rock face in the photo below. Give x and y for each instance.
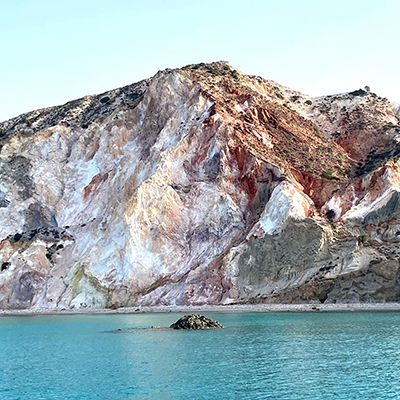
(285, 202)
(177, 190)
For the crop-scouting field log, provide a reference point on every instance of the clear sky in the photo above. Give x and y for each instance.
(53, 51)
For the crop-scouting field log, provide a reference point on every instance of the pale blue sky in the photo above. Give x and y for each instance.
(53, 51)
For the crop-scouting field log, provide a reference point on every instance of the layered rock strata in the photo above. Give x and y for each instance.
(201, 185)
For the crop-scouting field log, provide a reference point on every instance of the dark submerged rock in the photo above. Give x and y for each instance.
(195, 321)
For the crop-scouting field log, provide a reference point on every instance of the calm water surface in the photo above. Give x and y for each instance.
(257, 356)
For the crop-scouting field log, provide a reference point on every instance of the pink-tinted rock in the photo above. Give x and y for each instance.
(200, 186)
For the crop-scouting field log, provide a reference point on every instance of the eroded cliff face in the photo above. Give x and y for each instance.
(201, 185)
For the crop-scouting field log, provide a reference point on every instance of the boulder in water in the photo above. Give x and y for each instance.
(195, 321)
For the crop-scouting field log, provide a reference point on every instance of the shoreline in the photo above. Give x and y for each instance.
(217, 309)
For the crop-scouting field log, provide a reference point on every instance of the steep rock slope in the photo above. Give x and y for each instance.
(200, 185)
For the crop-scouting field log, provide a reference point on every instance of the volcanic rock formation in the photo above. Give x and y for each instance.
(195, 321)
(201, 185)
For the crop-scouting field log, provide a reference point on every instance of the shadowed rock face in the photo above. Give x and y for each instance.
(201, 185)
(195, 321)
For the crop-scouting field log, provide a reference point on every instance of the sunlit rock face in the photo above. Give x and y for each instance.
(201, 185)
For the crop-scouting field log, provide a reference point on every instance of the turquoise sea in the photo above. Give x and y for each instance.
(257, 356)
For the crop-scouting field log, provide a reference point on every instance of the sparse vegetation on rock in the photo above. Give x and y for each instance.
(359, 92)
(328, 175)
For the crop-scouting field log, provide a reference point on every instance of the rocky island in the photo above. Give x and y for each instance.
(195, 321)
(201, 186)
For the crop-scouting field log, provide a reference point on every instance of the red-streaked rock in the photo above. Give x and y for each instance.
(201, 185)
